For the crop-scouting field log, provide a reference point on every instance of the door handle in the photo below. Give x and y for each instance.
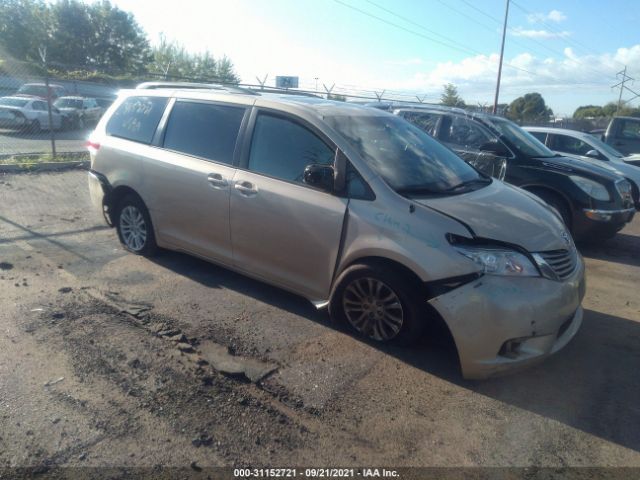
(246, 188)
(216, 180)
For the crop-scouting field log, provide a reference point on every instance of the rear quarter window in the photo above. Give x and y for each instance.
(137, 118)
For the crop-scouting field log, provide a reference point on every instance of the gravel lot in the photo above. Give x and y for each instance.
(107, 359)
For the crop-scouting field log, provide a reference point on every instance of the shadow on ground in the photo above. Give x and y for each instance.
(623, 249)
(599, 367)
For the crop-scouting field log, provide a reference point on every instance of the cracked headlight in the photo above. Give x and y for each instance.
(498, 261)
(591, 188)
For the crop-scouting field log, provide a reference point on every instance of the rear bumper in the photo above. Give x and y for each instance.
(503, 324)
(99, 191)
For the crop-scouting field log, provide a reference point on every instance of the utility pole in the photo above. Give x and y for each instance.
(316, 79)
(504, 34)
(43, 56)
(625, 78)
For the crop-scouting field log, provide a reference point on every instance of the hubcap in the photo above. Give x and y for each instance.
(373, 308)
(133, 228)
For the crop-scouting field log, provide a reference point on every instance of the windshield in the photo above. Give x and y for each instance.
(523, 141)
(13, 102)
(408, 159)
(68, 103)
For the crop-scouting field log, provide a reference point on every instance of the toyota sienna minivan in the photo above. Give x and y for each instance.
(351, 207)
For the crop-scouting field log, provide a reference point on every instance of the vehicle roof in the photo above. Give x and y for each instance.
(23, 97)
(566, 131)
(41, 85)
(628, 118)
(316, 105)
(73, 97)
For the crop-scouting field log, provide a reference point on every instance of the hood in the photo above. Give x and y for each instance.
(505, 213)
(573, 165)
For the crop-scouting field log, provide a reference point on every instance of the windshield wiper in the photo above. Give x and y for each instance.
(419, 191)
(484, 181)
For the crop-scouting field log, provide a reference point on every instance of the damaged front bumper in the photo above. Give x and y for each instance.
(500, 324)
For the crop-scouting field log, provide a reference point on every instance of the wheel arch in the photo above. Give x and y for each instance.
(437, 324)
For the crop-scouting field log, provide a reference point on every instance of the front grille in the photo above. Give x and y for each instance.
(562, 262)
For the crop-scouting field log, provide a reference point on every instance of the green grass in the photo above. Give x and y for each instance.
(43, 158)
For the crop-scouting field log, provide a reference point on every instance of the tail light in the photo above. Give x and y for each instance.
(92, 146)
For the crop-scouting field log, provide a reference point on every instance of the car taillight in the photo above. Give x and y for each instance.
(93, 146)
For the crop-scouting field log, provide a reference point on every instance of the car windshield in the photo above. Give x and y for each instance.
(408, 159)
(523, 141)
(13, 102)
(68, 103)
(604, 147)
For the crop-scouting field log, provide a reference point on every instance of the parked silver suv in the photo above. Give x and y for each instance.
(350, 207)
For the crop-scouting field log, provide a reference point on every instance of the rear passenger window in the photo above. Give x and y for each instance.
(137, 118)
(283, 148)
(204, 130)
(424, 121)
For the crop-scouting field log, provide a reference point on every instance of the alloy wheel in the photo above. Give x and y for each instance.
(133, 228)
(373, 308)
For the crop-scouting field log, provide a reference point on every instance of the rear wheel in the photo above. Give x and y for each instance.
(134, 227)
(379, 302)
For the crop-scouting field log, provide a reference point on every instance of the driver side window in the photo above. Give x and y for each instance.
(566, 144)
(466, 134)
(283, 148)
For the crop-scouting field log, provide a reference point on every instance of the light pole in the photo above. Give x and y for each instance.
(504, 33)
(316, 79)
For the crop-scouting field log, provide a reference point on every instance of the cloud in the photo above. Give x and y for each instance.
(475, 76)
(521, 32)
(553, 16)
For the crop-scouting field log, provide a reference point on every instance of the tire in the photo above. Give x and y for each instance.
(557, 202)
(398, 299)
(135, 230)
(35, 127)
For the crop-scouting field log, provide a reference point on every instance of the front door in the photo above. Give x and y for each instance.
(283, 230)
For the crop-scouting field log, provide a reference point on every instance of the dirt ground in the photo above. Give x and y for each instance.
(108, 359)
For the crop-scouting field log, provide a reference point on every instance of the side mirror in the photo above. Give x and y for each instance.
(319, 176)
(495, 147)
(593, 154)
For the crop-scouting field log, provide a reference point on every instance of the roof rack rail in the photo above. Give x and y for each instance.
(283, 91)
(195, 86)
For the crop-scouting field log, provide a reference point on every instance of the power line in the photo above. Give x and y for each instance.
(546, 47)
(463, 50)
(569, 40)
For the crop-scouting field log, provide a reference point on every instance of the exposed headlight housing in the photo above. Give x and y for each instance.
(499, 261)
(593, 189)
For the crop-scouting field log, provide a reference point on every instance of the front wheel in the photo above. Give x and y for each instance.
(134, 227)
(379, 302)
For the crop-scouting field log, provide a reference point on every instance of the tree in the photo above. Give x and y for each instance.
(588, 111)
(171, 59)
(23, 28)
(529, 108)
(450, 96)
(117, 43)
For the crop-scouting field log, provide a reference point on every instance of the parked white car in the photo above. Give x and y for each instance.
(586, 147)
(79, 112)
(28, 113)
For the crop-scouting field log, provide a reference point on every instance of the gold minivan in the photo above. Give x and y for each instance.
(350, 207)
